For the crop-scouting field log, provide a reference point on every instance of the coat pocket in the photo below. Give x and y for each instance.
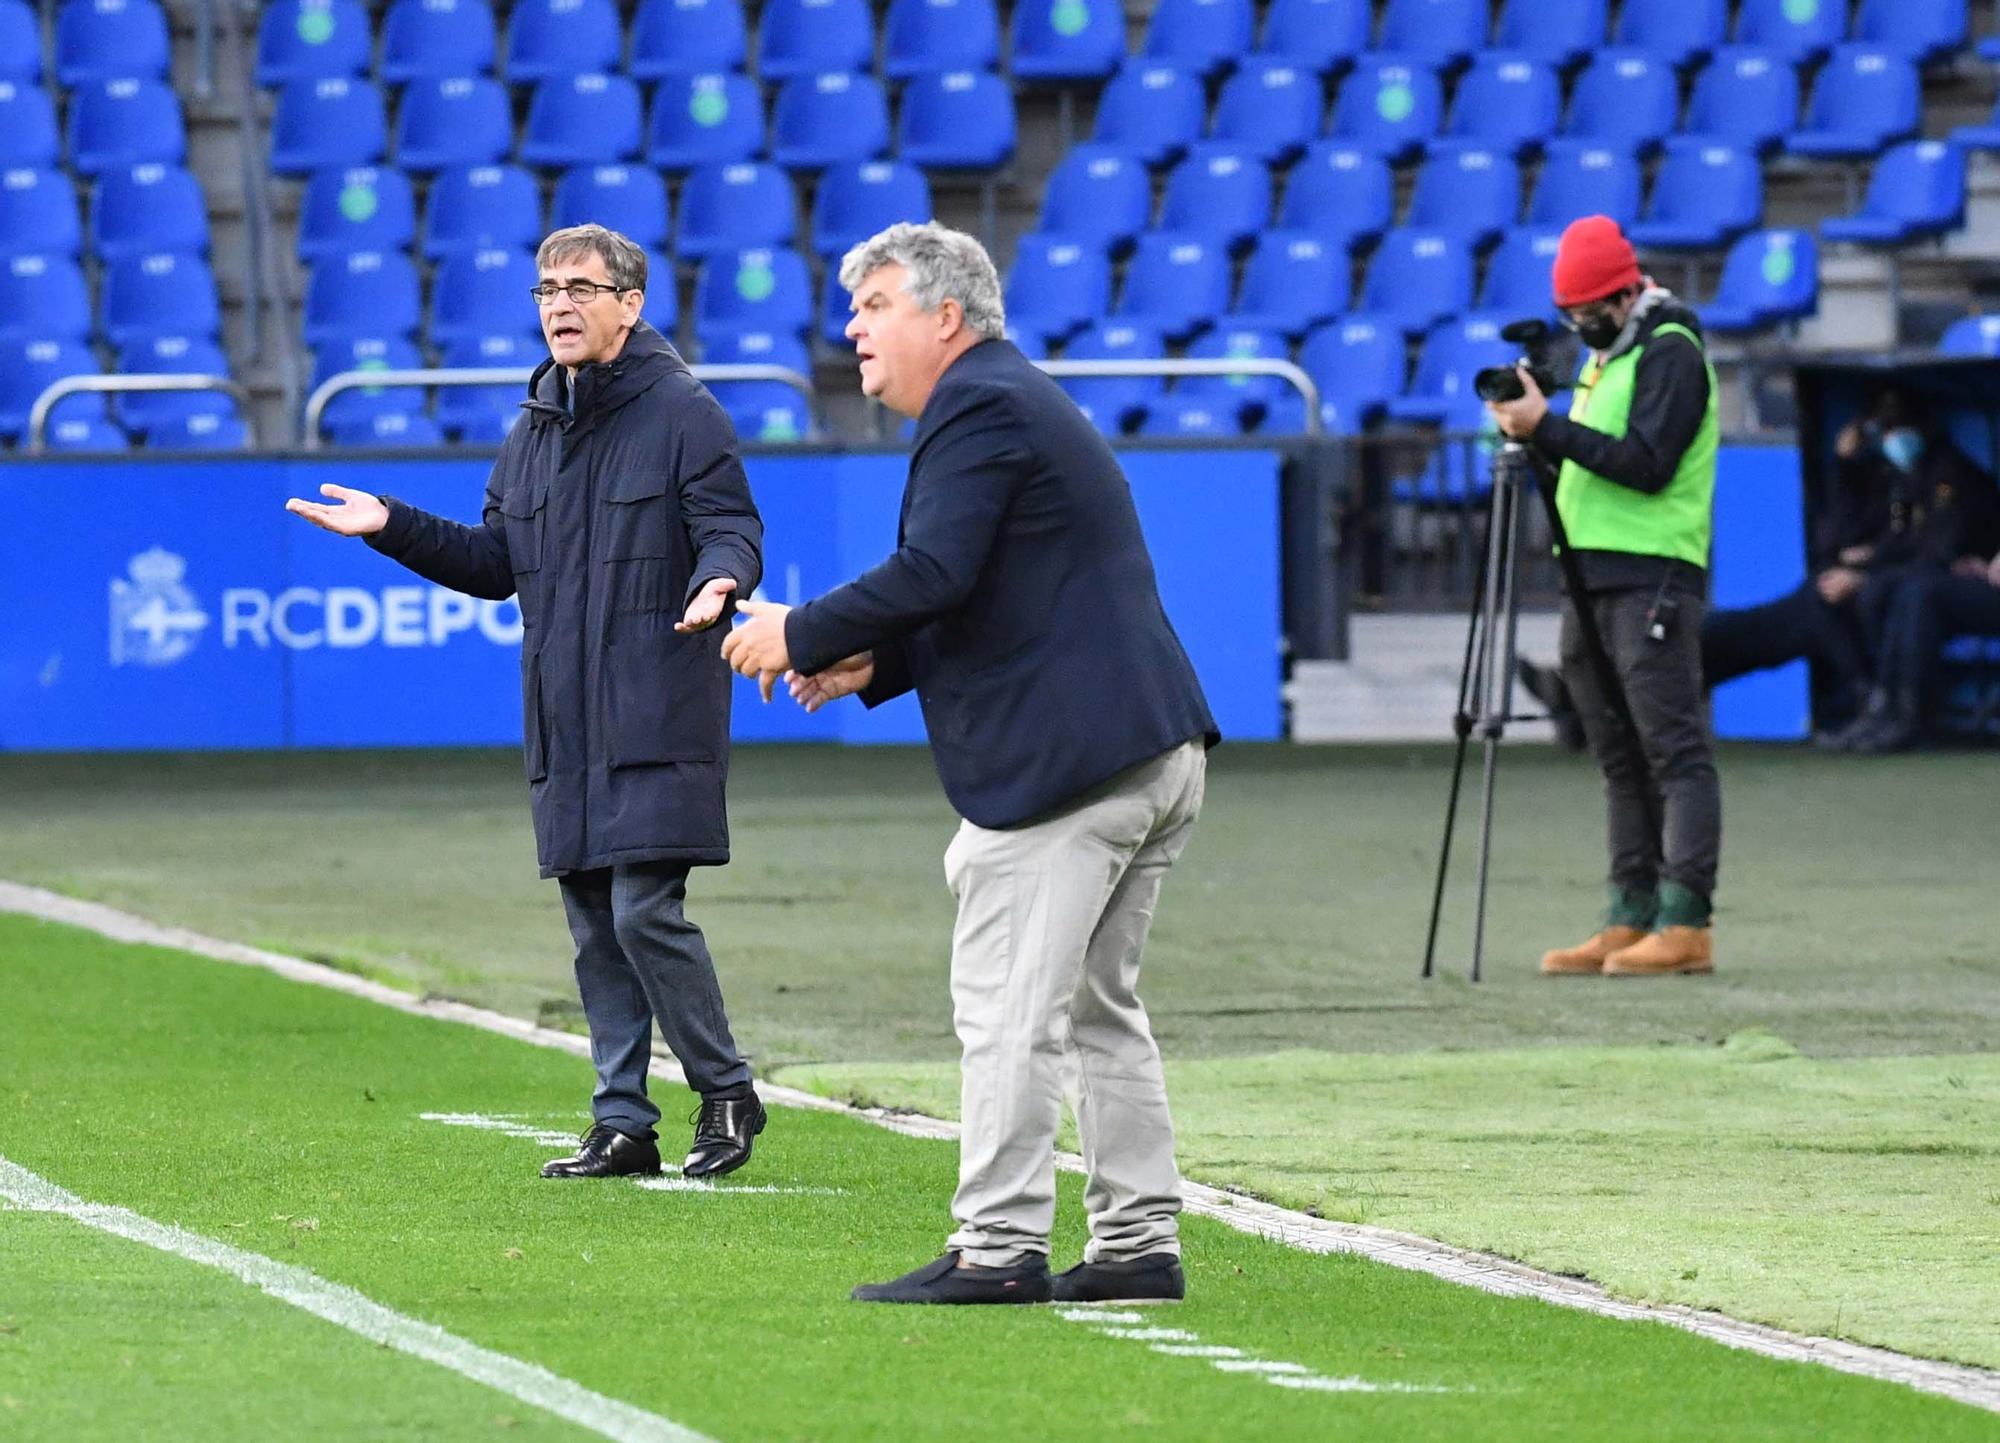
(639, 516)
(534, 733)
(526, 507)
(665, 698)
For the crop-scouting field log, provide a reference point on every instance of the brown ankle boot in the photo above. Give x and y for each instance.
(1663, 953)
(1587, 960)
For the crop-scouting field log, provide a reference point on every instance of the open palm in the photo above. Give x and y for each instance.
(843, 678)
(353, 513)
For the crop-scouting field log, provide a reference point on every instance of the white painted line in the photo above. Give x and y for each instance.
(1979, 1387)
(1152, 1335)
(1197, 1350)
(345, 1308)
(548, 1137)
(1314, 1383)
(1089, 1313)
(668, 1183)
(1259, 1365)
(507, 1126)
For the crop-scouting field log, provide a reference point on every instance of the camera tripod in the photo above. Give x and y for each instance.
(1486, 675)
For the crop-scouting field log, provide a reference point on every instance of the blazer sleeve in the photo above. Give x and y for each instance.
(471, 559)
(721, 518)
(892, 676)
(961, 485)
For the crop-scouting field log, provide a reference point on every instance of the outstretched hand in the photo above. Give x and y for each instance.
(355, 513)
(757, 646)
(706, 609)
(843, 678)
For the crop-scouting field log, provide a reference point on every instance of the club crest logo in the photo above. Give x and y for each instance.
(155, 620)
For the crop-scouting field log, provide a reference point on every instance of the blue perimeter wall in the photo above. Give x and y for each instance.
(177, 606)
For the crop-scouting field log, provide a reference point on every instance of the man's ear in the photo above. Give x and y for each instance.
(951, 319)
(631, 303)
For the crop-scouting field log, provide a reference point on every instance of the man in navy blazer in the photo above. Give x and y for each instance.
(1071, 735)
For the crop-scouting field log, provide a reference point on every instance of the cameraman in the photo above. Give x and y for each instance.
(1635, 493)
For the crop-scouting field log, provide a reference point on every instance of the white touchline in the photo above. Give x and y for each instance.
(1978, 1386)
(345, 1308)
(549, 1137)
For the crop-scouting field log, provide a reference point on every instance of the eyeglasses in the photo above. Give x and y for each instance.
(1577, 317)
(580, 292)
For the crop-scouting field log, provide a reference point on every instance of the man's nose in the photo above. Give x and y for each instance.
(854, 327)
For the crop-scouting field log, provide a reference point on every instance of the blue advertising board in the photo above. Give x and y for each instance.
(1759, 555)
(165, 605)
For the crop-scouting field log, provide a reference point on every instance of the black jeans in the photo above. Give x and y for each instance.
(1662, 682)
(1929, 608)
(1799, 624)
(640, 961)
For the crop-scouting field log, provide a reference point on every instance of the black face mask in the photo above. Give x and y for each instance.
(1599, 333)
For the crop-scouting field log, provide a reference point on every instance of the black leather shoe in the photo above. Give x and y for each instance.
(1154, 1278)
(944, 1281)
(607, 1152)
(724, 1129)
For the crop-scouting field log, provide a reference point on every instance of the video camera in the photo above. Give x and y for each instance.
(1537, 340)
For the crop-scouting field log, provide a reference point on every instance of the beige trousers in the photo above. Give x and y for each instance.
(1052, 923)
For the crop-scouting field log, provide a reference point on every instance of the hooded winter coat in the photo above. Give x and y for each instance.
(606, 513)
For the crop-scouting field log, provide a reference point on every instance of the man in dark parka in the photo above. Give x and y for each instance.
(618, 513)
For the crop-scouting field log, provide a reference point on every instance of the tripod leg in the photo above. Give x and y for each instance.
(1498, 677)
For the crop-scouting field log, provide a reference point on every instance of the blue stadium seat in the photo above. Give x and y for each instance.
(662, 307)
(678, 37)
(28, 138)
(821, 120)
(38, 214)
(1518, 273)
(1447, 33)
(1467, 189)
(20, 45)
(1064, 40)
(480, 208)
(81, 436)
(1452, 354)
(1293, 281)
(925, 35)
(1917, 189)
(734, 207)
(1744, 96)
(311, 40)
(460, 120)
(1624, 98)
(629, 199)
(1390, 104)
(1176, 285)
(371, 353)
(1418, 278)
(29, 366)
(1152, 111)
(1056, 287)
(1707, 193)
(124, 122)
(1460, 466)
(1193, 419)
(1242, 399)
(363, 293)
(753, 290)
(1205, 36)
(835, 309)
(704, 118)
(814, 37)
(110, 40)
(1864, 99)
(1357, 363)
(1583, 177)
(1968, 336)
(477, 412)
(362, 209)
(956, 120)
(1116, 404)
(210, 431)
(1317, 35)
(159, 295)
(548, 38)
(1798, 32)
(854, 202)
(1097, 196)
(1980, 137)
(319, 124)
(1768, 276)
(1918, 30)
(1272, 110)
(1341, 193)
(390, 431)
(1220, 193)
(1506, 100)
(149, 207)
(480, 293)
(145, 412)
(435, 39)
(43, 298)
(582, 120)
(488, 430)
(769, 413)
(1562, 33)
(757, 348)
(1679, 32)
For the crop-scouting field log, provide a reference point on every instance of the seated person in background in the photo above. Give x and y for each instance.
(1926, 609)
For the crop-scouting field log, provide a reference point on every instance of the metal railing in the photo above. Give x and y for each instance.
(334, 385)
(1231, 366)
(38, 413)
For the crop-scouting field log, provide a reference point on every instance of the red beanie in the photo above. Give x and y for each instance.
(1593, 260)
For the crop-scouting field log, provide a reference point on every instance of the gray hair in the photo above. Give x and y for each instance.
(941, 264)
(624, 262)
